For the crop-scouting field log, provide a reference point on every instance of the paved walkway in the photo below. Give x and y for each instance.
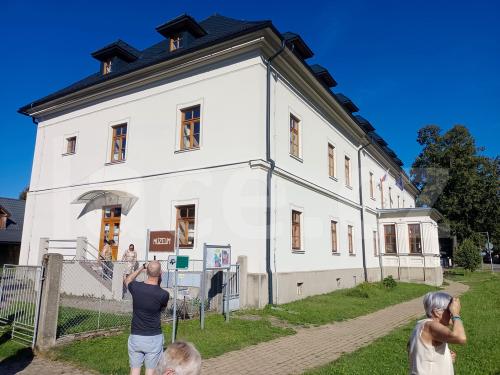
(309, 348)
(313, 347)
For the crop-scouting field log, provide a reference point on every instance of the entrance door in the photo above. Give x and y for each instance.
(110, 227)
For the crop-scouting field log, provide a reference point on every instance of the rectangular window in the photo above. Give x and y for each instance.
(3, 219)
(190, 128)
(119, 143)
(333, 230)
(350, 243)
(107, 66)
(71, 145)
(296, 243)
(375, 252)
(185, 225)
(398, 202)
(294, 136)
(390, 238)
(390, 197)
(372, 188)
(331, 160)
(175, 42)
(347, 167)
(415, 238)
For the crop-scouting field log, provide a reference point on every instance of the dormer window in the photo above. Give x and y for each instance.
(4, 215)
(106, 66)
(176, 42)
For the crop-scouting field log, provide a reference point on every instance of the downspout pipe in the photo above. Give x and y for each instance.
(361, 203)
(269, 173)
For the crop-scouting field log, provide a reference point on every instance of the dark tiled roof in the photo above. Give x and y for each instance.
(218, 28)
(364, 123)
(120, 48)
(14, 230)
(300, 47)
(347, 103)
(323, 75)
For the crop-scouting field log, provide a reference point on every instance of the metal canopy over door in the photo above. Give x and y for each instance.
(110, 227)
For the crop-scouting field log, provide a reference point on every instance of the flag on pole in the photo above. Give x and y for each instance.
(384, 177)
(399, 182)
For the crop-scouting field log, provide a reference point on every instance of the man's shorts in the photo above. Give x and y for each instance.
(145, 349)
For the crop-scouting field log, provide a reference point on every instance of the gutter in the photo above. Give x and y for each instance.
(361, 203)
(269, 173)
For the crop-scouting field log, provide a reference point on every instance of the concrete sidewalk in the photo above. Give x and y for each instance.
(313, 347)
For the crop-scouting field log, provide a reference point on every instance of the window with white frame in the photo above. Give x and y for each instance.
(294, 136)
(350, 239)
(71, 145)
(415, 238)
(375, 246)
(390, 238)
(331, 161)
(347, 170)
(296, 230)
(372, 186)
(119, 143)
(190, 128)
(333, 233)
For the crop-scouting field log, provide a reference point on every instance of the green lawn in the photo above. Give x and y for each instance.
(108, 355)
(344, 304)
(481, 313)
(73, 320)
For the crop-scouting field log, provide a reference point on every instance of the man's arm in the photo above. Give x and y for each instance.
(133, 276)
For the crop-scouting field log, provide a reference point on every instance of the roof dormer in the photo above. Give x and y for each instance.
(347, 103)
(115, 54)
(4, 217)
(323, 75)
(181, 31)
(364, 123)
(298, 46)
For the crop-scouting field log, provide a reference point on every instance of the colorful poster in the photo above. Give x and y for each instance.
(218, 257)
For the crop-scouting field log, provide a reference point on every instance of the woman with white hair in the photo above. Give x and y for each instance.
(428, 346)
(180, 358)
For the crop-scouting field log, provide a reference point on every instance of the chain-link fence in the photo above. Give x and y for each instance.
(93, 297)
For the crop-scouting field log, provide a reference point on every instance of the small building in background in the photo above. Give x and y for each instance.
(11, 229)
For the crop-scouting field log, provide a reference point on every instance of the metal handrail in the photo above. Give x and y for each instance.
(105, 270)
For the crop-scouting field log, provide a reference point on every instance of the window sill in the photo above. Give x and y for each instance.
(68, 154)
(298, 251)
(296, 158)
(336, 253)
(334, 178)
(349, 187)
(352, 255)
(115, 162)
(186, 150)
(373, 199)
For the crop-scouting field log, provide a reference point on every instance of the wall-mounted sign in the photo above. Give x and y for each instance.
(162, 240)
(178, 262)
(217, 257)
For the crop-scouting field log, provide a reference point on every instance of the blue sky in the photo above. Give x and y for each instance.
(405, 64)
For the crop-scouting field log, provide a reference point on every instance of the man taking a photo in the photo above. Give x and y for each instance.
(145, 343)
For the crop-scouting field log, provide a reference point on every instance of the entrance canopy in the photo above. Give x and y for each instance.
(97, 199)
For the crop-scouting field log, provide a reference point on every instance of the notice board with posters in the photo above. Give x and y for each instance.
(217, 257)
(162, 241)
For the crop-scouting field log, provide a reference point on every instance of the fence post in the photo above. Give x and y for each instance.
(43, 248)
(49, 304)
(80, 248)
(243, 262)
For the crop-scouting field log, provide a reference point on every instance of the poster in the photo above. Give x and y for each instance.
(218, 257)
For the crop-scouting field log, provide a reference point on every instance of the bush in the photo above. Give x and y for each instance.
(360, 291)
(389, 282)
(467, 255)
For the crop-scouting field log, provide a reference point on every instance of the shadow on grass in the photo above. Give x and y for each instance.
(16, 362)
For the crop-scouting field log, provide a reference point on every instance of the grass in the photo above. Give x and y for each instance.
(480, 311)
(108, 355)
(75, 320)
(344, 304)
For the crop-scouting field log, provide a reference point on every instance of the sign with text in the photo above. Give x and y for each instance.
(218, 257)
(177, 262)
(162, 240)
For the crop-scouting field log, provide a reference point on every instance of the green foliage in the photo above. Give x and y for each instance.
(467, 255)
(480, 356)
(389, 282)
(459, 182)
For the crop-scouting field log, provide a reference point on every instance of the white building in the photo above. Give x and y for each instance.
(223, 130)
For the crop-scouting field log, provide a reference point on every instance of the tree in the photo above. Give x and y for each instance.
(23, 194)
(468, 255)
(459, 182)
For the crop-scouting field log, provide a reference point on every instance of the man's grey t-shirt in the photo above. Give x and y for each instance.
(148, 301)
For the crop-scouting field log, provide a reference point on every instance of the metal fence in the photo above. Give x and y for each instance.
(93, 298)
(20, 291)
